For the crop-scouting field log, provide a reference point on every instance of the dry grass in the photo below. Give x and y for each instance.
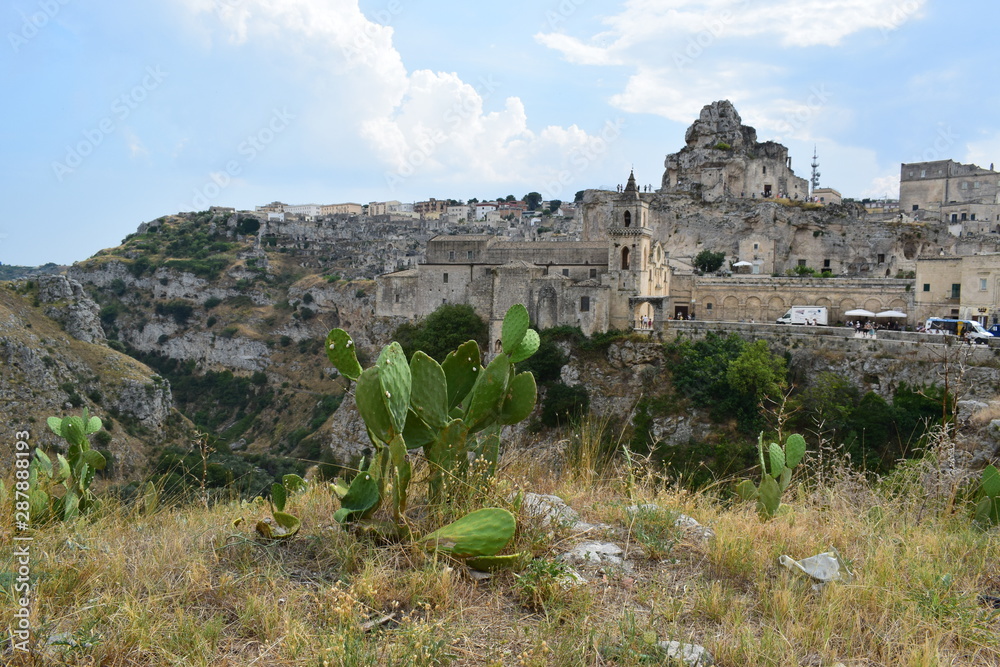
(185, 587)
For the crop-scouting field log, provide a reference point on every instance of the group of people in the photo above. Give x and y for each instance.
(863, 329)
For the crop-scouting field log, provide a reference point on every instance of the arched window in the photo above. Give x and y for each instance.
(625, 258)
(628, 218)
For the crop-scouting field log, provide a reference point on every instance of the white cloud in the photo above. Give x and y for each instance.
(886, 185)
(985, 151)
(425, 123)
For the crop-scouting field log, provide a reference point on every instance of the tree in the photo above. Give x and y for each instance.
(510, 198)
(474, 200)
(578, 197)
(442, 331)
(533, 200)
(709, 261)
(554, 205)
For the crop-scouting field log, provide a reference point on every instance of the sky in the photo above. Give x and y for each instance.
(118, 113)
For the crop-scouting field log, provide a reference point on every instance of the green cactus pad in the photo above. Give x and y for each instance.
(746, 490)
(341, 352)
(529, 345)
(394, 374)
(93, 425)
(480, 533)
(784, 479)
(512, 562)
(370, 399)
(777, 457)
(515, 324)
(278, 496)
(397, 454)
(441, 455)
(991, 481)
(429, 392)
(416, 433)
(988, 511)
(795, 449)
(293, 483)
(461, 368)
(94, 459)
(770, 496)
(487, 395)
(519, 400)
(361, 497)
(281, 527)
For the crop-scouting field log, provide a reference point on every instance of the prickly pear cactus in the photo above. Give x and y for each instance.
(776, 473)
(438, 407)
(74, 472)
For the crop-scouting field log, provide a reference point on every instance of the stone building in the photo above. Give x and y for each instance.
(964, 196)
(961, 287)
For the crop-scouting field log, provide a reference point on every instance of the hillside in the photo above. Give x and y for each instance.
(46, 372)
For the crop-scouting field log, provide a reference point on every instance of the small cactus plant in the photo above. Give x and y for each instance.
(988, 509)
(453, 410)
(74, 472)
(773, 483)
(282, 525)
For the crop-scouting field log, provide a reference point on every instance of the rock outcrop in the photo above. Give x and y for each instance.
(67, 303)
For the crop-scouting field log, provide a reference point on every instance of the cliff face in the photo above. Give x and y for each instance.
(46, 371)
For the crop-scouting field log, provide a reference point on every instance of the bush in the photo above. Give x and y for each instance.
(179, 309)
(211, 302)
(564, 404)
(709, 261)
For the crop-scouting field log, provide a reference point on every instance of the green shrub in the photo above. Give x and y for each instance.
(563, 404)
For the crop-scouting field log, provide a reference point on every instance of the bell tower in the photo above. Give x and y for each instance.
(629, 243)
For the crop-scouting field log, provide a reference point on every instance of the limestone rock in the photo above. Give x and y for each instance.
(70, 306)
(552, 510)
(691, 655)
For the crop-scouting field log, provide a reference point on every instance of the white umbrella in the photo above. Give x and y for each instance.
(743, 263)
(890, 313)
(859, 312)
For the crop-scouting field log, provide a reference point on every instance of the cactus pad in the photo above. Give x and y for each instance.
(429, 390)
(394, 375)
(487, 394)
(515, 324)
(519, 400)
(795, 449)
(461, 368)
(342, 354)
(480, 533)
(529, 345)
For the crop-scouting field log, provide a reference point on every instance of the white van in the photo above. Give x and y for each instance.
(961, 328)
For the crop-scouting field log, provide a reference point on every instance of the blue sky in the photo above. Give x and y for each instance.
(118, 113)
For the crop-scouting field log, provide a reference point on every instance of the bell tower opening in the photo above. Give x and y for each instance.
(625, 254)
(628, 218)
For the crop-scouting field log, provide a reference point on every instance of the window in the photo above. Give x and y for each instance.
(927, 287)
(756, 246)
(826, 264)
(975, 185)
(593, 273)
(982, 284)
(445, 281)
(625, 259)
(954, 217)
(451, 256)
(916, 207)
(802, 262)
(584, 304)
(923, 173)
(881, 258)
(956, 290)
(397, 298)
(964, 185)
(628, 218)
(964, 216)
(765, 171)
(972, 216)
(708, 307)
(469, 255)
(565, 272)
